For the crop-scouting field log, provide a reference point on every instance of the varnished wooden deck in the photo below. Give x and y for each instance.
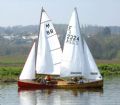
(94, 84)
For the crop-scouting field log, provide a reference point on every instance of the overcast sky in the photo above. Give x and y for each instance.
(27, 12)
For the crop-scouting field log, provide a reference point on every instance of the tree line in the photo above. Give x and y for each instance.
(104, 42)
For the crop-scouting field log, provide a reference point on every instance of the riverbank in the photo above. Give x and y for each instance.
(11, 66)
(11, 74)
(109, 69)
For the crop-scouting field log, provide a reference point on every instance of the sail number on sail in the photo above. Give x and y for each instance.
(72, 39)
(50, 31)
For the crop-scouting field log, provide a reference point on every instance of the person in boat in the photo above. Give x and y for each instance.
(48, 78)
(75, 79)
(81, 80)
(43, 81)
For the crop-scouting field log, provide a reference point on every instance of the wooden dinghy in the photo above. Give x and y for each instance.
(77, 60)
(44, 57)
(60, 84)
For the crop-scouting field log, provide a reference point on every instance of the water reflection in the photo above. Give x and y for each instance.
(9, 95)
(56, 97)
(27, 98)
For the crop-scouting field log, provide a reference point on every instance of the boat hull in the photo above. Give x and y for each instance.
(88, 85)
(34, 85)
(61, 84)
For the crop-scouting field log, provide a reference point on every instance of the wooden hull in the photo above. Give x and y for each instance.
(60, 85)
(33, 85)
(88, 85)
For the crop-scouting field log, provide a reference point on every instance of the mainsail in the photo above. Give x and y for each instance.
(48, 51)
(77, 59)
(28, 71)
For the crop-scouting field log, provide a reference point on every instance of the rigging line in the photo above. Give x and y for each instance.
(45, 21)
(55, 49)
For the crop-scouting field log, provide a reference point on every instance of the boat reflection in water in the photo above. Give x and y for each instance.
(27, 98)
(56, 97)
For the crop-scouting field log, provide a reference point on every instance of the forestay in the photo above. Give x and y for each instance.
(28, 71)
(48, 51)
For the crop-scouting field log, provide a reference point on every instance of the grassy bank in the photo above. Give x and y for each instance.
(10, 67)
(109, 69)
(11, 74)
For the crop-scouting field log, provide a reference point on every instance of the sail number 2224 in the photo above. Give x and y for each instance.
(72, 39)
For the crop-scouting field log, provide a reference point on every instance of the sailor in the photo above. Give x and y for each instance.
(43, 81)
(75, 79)
(48, 78)
(80, 80)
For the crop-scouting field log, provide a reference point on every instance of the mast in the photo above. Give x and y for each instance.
(38, 35)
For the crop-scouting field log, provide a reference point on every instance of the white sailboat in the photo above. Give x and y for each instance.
(45, 57)
(77, 60)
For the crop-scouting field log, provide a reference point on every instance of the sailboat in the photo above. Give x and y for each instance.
(77, 60)
(44, 57)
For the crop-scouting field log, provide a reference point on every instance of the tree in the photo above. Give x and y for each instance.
(106, 31)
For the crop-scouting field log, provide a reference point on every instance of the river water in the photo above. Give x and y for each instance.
(110, 95)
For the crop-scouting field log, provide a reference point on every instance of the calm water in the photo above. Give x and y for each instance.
(110, 95)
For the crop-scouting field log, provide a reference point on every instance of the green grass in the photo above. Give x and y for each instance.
(11, 66)
(108, 69)
(10, 70)
(9, 73)
(12, 60)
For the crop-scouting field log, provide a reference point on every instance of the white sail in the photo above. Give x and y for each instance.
(77, 59)
(92, 71)
(28, 71)
(73, 56)
(49, 50)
